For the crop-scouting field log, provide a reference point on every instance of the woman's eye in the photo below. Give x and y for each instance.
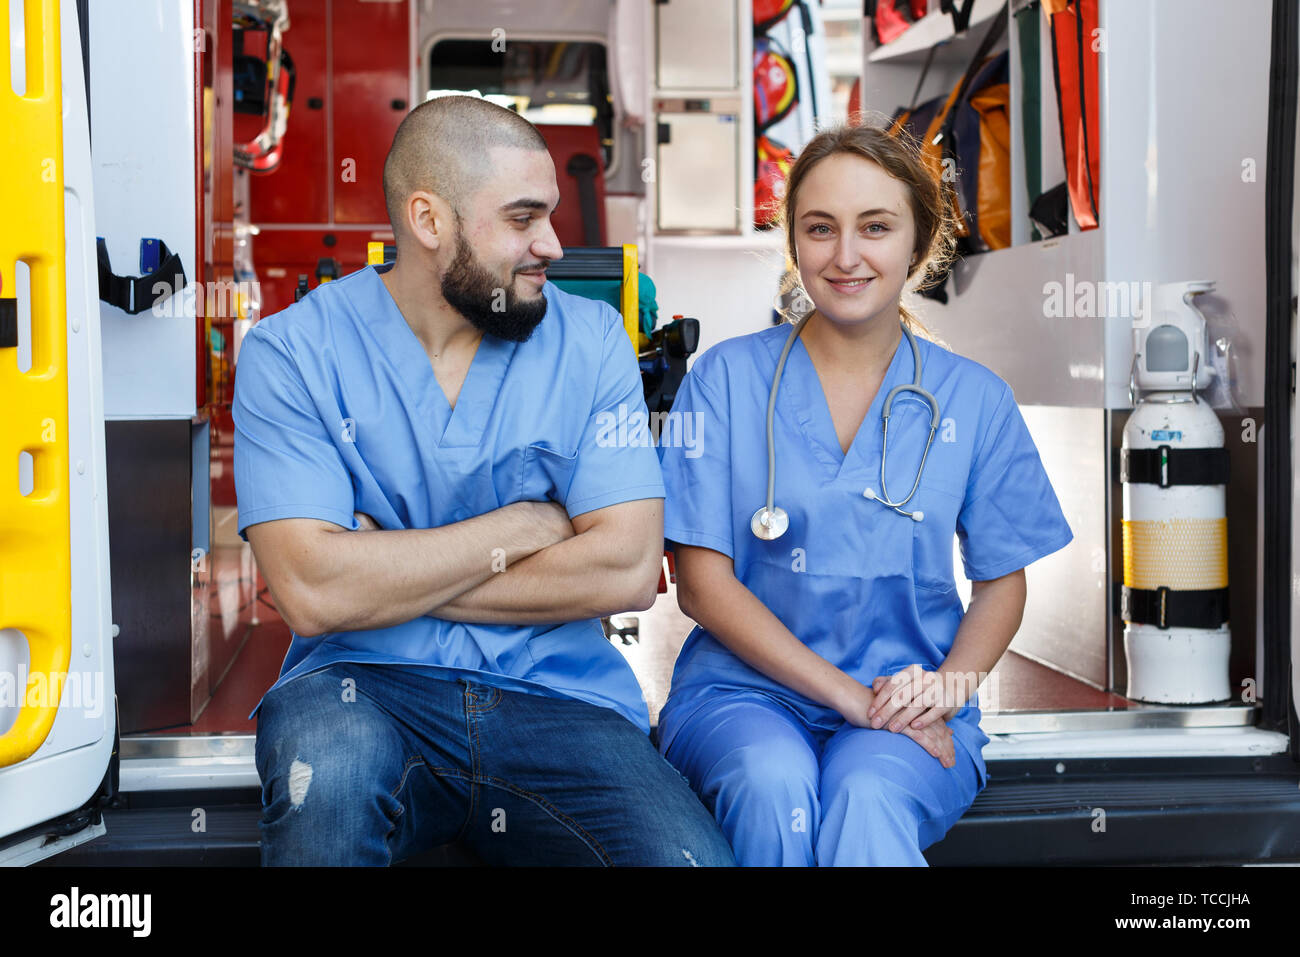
(883, 228)
(815, 229)
(523, 220)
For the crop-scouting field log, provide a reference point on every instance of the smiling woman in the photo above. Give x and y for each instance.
(824, 708)
(911, 226)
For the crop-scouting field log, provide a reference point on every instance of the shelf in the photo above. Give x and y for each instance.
(934, 29)
(764, 239)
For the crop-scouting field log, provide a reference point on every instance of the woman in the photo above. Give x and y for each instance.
(824, 708)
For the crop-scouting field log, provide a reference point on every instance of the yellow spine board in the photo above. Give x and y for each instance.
(631, 297)
(35, 565)
(1182, 554)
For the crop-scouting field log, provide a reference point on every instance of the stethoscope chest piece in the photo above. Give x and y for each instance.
(769, 524)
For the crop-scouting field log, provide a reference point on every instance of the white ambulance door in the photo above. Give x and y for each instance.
(57, 711)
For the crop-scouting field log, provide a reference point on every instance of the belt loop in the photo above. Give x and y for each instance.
(1163, 450)
(1163, 594)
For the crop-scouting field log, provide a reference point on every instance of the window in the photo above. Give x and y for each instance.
(545, 81)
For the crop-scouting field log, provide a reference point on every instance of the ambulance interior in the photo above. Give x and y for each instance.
(665, 138)
(1065, 669)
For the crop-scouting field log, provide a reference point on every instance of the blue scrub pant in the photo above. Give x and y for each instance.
(785, 794)
(368, 764)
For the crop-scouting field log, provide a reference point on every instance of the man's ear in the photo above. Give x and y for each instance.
(429, 220)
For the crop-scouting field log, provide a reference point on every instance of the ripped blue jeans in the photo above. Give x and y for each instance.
(396, 761)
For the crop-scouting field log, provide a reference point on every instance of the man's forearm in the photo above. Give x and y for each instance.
(985, 633)
(376, 579)
(591, 575)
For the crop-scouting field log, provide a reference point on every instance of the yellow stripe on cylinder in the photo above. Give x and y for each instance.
(1182, 554)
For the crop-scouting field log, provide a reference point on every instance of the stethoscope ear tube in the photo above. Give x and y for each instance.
(771, 522)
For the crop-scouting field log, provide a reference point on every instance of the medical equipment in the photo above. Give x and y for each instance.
(1174, 471)
(771, 522)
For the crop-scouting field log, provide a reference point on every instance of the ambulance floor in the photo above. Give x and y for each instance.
(243, 616)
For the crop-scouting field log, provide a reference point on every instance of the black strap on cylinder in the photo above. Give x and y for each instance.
(1165, 608)
(1165, 466)
(135, 294)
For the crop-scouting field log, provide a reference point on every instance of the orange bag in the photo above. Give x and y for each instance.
(993, 103)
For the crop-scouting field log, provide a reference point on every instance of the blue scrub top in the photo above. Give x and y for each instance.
(868, 589)
(337, 410)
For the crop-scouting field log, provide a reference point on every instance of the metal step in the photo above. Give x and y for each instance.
(1148, 818)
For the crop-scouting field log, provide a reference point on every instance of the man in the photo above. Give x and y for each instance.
(418, 473)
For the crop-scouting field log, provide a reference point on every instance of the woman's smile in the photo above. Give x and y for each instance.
(850, 287)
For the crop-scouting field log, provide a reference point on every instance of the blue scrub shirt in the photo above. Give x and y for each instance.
(868, 589)
(337, 410)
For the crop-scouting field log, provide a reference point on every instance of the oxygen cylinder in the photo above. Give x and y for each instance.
(1174, 471)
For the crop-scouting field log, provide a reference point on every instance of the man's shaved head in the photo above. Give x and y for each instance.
(442, 147)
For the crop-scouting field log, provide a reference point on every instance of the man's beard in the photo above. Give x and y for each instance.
(490, 307)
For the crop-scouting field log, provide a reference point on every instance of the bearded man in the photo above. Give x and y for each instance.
(419, 475)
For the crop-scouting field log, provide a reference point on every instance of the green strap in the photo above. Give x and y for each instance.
(647, 304)
(1031, 107)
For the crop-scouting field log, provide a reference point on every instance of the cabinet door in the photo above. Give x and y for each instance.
(696, 44)
(372, 70)
(297, 190)
(697, 172)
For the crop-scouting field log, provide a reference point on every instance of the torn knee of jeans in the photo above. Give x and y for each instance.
(299, 781)
(690, 858)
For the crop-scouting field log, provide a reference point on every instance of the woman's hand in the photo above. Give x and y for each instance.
(936, 739)
(911, 698)
(856, 709)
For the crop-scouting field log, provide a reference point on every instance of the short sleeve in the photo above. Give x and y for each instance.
(697, 466)
(1010, 516)
(616, 460)
(286, 465)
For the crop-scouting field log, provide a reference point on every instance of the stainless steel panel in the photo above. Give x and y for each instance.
(157, 746)
(1138, 716)
(150, 538)
(1067, 603)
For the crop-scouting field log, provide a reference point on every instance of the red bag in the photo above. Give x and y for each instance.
(1074, 25)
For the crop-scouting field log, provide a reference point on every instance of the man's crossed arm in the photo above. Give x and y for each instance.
(524, 563)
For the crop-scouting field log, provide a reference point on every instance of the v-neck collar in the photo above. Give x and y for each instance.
(812, 411)
(452, 428)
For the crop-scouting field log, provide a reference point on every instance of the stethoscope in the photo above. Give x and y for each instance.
(770, 522)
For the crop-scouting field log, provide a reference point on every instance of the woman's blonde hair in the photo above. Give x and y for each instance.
(899, 155)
